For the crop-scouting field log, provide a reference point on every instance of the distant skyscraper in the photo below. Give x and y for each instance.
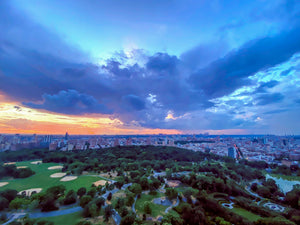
(231, 153)
(66, 136)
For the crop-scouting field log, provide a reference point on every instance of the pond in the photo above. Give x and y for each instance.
(162, 201)
(283, 184)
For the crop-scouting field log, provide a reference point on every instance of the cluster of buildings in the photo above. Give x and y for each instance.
(266, 148)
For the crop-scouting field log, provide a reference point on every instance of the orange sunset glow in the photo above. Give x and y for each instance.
(20, 119)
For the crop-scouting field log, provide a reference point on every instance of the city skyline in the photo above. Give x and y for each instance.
(150, 67)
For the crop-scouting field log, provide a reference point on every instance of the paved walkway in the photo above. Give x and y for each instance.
(55, 213)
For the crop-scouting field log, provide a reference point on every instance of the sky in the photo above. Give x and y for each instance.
(150, 66)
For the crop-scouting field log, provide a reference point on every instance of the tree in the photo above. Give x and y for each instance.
(254, 187)
(100, 202)
(119, 184)
(293, 197)
(109, 196)
(144, 183)
(147, 208)
(3, 203)
(172, 218)
(136, 188)
(18, 203)
(70, 198)
(48, 203)
(120, 203)
(124, 211)
(85, 200)
(81, 192)
(93, 210)
(9, 194)
(129, 200)
(108, 211)
(128, 219)
(171, 193)
(92, 192)
(56, 191)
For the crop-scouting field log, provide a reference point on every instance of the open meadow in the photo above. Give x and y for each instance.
(42, 179)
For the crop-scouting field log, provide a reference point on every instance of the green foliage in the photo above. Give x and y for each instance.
(274, 221)
(109, 196)
(147, 208)
(135, 188)
(292, 198)
(171, 193)
(81, 191)
(128, 219)
(70, 198)
(13, 171)
(108, 211)
(19, 203)
(9, 194)
(85, 199)
(92, 192)
(172, 218)
(4, 203)
(56, 191)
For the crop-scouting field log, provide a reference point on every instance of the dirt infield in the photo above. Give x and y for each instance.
(109, 174)
(21, 167)
(68, 178)
(9, 163)
(101, 182)
(55, 167)
(36, 162)
(3, 184)
(29, 191)
(173, 183)
(58, 175)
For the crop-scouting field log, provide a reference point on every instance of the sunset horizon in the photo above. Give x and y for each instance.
(149, 68)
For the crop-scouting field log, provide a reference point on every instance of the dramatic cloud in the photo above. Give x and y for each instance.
(213, 85)
(70, 102)
(266, 99)
(225, 75)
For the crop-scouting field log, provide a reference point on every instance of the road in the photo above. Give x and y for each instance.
(13, 217)
(174, 205)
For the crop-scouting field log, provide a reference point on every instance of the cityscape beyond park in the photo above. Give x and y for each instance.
(149, 112)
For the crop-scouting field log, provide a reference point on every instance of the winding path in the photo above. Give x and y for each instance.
(173, 205)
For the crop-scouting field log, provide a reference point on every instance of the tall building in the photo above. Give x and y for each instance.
(232, 153)
(66, 136)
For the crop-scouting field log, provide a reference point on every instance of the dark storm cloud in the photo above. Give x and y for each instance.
(204, 54)
(163, 63)
(133, 102)
(70, 102)
(225, 75)
(265, 99)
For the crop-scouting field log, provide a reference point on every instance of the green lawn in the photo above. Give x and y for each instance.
(156, 209)
(69, 219)
(244, 213)
(42, 179)
(286, 177)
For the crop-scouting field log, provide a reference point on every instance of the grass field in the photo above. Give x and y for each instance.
(285, 177)
(244, 213)
(69, 219)
(156, 209)
(42, 179)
